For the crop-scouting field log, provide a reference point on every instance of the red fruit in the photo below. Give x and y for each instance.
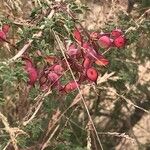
(87, 63)
(71, 86)
(58, 69)
(31, 71)
(120, 42)
(105, 42)
(72, 50)
(53, 77)
(86, 45)
(5, 28)
(32, 74)
(89, 50)
(116, 33)
(2, 36)
(54, 80)
(92, 74)
(77, 35)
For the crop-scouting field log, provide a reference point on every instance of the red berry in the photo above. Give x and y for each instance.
(120, 42)
(58, 69)
(54, 80)
(92, 74)
(71, 86)
(2, 36)
(53, 77)
(87, 63)
(72, 50)
(116, 33)
(105, 42)
(5, 28)
(32, 74)
(31, 70)
(77, 35)
(89, 51)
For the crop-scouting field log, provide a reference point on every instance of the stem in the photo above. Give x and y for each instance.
(83, 100)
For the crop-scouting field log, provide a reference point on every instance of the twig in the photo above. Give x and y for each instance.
(25, 47)
(122, 135)
(131, 103)
(46, 143)
(37, 108)
(33, 115)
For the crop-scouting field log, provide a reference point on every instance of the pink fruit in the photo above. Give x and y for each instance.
(105, 42)
(54, 80)
(53, 77)
(92, 74)
(77, 35)
(58, 69)
(89, 51)
(32, 74)
(120, 42)
(5, 28)
(72, 50)
(116, 33)
(2, 36)
(71, 86)
(87, 63)
(31, 71)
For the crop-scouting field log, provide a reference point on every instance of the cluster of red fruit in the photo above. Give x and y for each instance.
(82, 55)
(113, 39)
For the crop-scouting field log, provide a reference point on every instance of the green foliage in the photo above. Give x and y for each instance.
(10, 77)
(11, 74)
